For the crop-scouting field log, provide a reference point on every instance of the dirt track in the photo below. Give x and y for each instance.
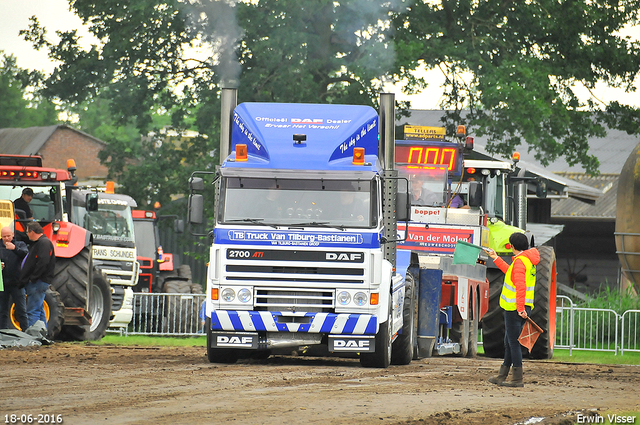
(115, 385)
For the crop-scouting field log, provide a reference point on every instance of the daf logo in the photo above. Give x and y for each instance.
(344, 256)
(363, 343)
(234, 340)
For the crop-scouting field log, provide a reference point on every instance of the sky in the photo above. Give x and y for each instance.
(55, 15)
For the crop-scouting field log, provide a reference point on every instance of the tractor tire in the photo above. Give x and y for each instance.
(184, 271)
(493, 321)
(182, 314)
(219, 355)
(53, 310)
(71, 278)
(99, 309)
(382, 356)
(544, 311)
(402, 350)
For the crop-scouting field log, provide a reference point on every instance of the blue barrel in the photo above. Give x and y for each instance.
(428, 310)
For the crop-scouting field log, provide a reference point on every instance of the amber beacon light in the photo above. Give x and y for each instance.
(358, 156)
(241, 152)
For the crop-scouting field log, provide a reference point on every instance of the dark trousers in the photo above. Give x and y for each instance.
(513, 325)
(17, 295)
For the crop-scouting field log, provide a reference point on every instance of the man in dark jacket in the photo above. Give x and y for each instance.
(11, 253)
(22, 203)
(37, 272)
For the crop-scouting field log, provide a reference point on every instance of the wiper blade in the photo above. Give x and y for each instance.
(252, 220)
(318, 224)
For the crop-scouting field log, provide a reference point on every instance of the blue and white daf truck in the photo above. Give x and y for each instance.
(304, 254)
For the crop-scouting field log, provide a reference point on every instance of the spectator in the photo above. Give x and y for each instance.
(22, 203)
(516, 300)
(12, 252)
(37, 272)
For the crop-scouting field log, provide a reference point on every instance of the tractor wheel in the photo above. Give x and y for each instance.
(219, 355)
(402, 350)
(460, 333)
(99, 309)
(71, 278)
(544, 311)
(53, 310)
(382, 356)
(493, 321)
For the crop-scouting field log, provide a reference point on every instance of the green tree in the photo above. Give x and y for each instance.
(21, 104)
(526, 60)
(523, 59)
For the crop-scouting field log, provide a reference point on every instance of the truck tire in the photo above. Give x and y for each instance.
(493, 321)
(402, 350)
(99, 309)
(382, 356)
(544, 311)
(219, 355)
(182, 313)
(53, 310)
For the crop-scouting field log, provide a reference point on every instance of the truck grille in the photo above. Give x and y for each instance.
(294, 274)
(281, 299)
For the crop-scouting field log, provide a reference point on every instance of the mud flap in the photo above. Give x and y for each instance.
(352, 343)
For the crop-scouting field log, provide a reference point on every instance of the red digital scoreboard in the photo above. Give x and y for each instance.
(433, 153)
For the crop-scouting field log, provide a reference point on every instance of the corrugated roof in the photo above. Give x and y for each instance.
(24, 141)
(604, 207)
(29, 141)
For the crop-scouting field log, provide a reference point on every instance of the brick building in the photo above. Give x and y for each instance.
(56, 144)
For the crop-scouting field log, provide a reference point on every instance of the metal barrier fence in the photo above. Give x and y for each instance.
(577, 328)
(166, 315)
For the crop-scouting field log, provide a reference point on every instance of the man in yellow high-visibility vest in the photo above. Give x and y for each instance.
(516, 300)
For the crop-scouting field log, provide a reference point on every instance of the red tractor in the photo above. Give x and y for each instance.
(68, 303)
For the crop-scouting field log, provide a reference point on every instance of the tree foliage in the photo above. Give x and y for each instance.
(20, 102)
(170, 57)
(526, 61)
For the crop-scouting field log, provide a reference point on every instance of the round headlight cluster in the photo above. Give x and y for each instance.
(344, 298)
(359, 299)
(229, 295)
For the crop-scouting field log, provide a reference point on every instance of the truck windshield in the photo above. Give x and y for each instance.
(429, 184)
(288, 202)
(111, 222)
(44, 205)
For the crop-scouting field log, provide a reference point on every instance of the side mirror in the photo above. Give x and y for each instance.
(178, 226)
(91, 202)
(195, 209)
(196, 184)
(541, 189)
(403, 205)
(475, 194)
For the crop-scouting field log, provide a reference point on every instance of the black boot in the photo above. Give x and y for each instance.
(502, 375)
(516, 379)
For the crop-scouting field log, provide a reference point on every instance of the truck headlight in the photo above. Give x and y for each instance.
(344, 298)
(228, 295)
(360, 298)
(244, 295)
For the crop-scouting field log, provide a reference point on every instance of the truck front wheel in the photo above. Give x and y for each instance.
(218, 355)
(382, 356)
(402, 351)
